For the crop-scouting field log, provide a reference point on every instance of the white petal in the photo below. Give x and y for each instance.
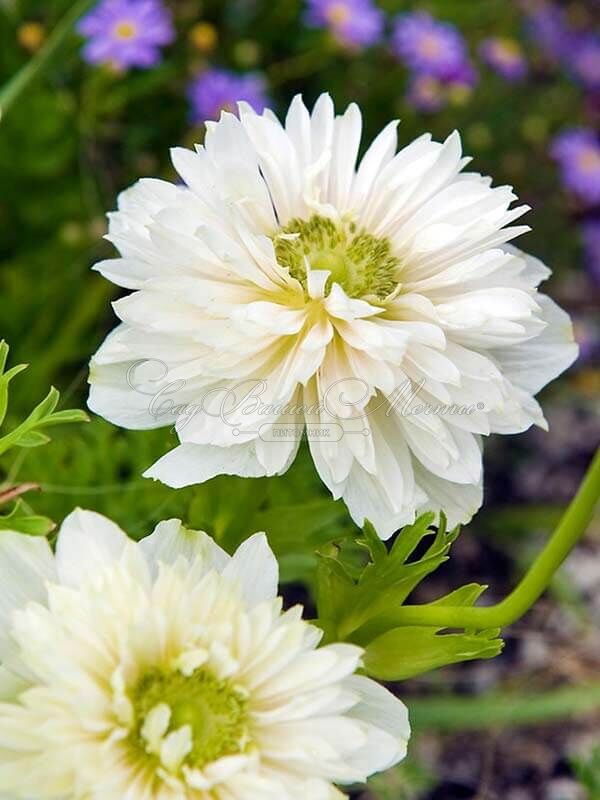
(534, 363)
(256, 569)
(382, 709)
(195, 463)
(171, 541)
(26, 564)
(87, 543)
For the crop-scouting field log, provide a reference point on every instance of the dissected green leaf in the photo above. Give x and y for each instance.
(409, 651)
(464, 596)
(6, 377)
(373, 543)
(26, 434)
(385, 584)
(364, 608)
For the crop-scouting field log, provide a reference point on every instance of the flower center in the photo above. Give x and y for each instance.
(589, 160)
(430, 45)
(338, 13)
(362, 264)
(207, 714)
(125, 30)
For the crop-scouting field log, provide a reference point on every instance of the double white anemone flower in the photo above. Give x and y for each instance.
(378, 303)
(166, 670)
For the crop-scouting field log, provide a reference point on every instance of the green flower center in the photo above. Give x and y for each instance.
(362, 264)
(214, 709)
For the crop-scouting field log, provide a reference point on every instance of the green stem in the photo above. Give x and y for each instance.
(19, 82)
(570, 529)
(497, 709)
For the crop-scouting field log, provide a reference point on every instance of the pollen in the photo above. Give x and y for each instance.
(125, 30)
(338, 14)
(211, 712)
(362, 264)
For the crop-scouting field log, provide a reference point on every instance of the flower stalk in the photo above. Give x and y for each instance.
(19, 82)
(568, 532)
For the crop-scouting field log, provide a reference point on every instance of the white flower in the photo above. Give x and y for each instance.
(281, 261)
(166, 670)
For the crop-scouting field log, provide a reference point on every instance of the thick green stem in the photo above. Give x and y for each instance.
(19, 82)
(570, 529)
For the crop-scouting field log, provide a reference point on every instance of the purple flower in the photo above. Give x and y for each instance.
(584, 61)
(126, 33)
(577, 152)
(217, 90)
(590, 233)
(426, 93)
(464, 76)
(354, 23)
(428, 46)
(587, 336)
(547, 27)
(505, 57)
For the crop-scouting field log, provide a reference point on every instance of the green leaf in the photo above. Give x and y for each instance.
(334, 587)
(4, 348)
(409, 651)
(373, 543)
(387, 582)
(46, 407)
(21, 521)
(465, 596)
(363, 606)
(5, 379)
(410, 537)
(32, 439)
(67, 416)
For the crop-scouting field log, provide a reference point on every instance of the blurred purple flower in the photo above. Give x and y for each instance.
(577, 152)
(355, 23)
(547, 27)
(587, 336)
(505, 57)
(217, 90)
(464, 76)
(428, 46)
(590, 233)
(584, 61)
(426, 93)
(126, 33)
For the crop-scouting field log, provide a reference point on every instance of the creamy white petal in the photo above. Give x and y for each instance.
(284, 260)
(25, 565)
(195, 463)
(539, 360)
(171, 540)
(120, 660)
(87, 543)
(255, 568)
